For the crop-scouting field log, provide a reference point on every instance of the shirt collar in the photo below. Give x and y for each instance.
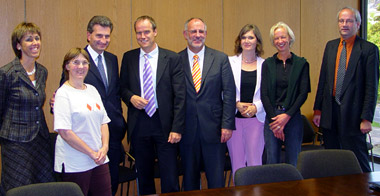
(200, 53)
(349, 42)
(94, 55)
(154, 52)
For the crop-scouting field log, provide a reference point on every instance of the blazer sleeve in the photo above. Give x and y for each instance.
(229, 96)
(125, 91)
(179, 93)
(371, 83)
(322, 81)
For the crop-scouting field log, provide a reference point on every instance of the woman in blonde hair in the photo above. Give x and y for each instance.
(285, 85)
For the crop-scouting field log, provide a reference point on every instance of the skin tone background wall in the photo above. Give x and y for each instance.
(63, 25)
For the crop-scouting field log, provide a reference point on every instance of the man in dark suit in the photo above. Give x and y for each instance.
(153, 88)
(210, 108)
(104, 75)
(347, 90)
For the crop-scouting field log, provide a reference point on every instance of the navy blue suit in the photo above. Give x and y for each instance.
(207, 112)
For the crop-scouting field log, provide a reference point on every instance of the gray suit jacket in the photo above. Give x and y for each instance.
(21, 112)
(214, 106)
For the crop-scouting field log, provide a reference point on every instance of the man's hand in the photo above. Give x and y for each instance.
(317, 120)
(226, 135)
(138, 102)
(365, 126)
(174, 137)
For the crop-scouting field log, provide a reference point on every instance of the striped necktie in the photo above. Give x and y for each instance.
(196, 71)
(150, 108)
(341, 73)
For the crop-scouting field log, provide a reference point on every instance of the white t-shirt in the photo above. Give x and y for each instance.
(81, 111)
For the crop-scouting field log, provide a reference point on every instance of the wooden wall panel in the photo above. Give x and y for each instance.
(319, 25)
(170, 16)
(264, 14)
(64, 25)
(11, 14)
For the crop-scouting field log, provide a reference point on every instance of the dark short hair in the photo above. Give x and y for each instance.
(19, 32)
(259, 46)
(71, 54)
(149, 18)
(103, 21)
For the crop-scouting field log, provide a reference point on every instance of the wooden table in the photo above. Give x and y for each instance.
(355, 185)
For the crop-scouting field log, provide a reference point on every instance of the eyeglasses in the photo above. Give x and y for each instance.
(195, 31)
(77, 63)
(348, 21)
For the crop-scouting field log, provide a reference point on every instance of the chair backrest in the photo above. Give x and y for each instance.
(50, 188)
(266, 174)
(328, 162)
(308, 131)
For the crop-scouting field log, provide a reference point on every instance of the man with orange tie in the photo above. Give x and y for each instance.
(153, 88)
(210, 108)
(347, 90)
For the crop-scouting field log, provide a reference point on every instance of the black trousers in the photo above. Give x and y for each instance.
(148, 143)
(335, 138)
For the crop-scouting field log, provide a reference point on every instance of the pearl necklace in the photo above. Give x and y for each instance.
(32, 72)
(249, 62)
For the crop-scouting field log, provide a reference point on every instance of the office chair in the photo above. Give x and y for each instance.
(49, 188)
(127, 174)
(328, 162)
(309, 136)
(370, 148)
(266, 174)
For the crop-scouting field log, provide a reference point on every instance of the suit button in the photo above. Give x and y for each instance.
(36, 94)
(36, 108)
(37, 122)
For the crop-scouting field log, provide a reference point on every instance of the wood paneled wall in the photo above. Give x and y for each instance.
(63, 24)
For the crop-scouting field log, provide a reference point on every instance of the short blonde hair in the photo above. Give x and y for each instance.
(287, 28)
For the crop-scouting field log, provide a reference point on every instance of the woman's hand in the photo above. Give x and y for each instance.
(247, 110)
(278, 125)
(101, 155)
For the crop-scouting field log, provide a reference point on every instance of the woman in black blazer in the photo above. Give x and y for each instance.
(24, 137)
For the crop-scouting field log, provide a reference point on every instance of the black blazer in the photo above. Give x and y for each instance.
(359, 91)
(170, 89)
(214, 106)
(111, 98)
(21, 113)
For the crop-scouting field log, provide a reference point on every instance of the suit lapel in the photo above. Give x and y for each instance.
(109, 70)
(207, 63)
(161, 65)
(22, 73)
(352, 64)
(185, 59)
(94, 70)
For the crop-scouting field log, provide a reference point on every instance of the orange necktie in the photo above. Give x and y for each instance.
(196, 74)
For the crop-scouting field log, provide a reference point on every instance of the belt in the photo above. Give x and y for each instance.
(280, 107)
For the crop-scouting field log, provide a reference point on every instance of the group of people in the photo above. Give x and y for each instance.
(187, 105)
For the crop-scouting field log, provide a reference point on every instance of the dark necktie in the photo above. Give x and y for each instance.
(102, 71)
(341, 73)
(150, 108)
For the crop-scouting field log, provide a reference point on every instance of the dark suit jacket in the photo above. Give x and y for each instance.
(111, 98)
(21, 113)
(359, 91)
(214, 106)
(170, 89)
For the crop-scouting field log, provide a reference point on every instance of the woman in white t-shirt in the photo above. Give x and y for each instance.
(81, 122)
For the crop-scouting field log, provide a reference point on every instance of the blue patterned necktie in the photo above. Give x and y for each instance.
(150, 108)
(102, 72)
(341, 73)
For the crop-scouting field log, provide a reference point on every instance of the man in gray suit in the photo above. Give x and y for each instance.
(210, 108)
